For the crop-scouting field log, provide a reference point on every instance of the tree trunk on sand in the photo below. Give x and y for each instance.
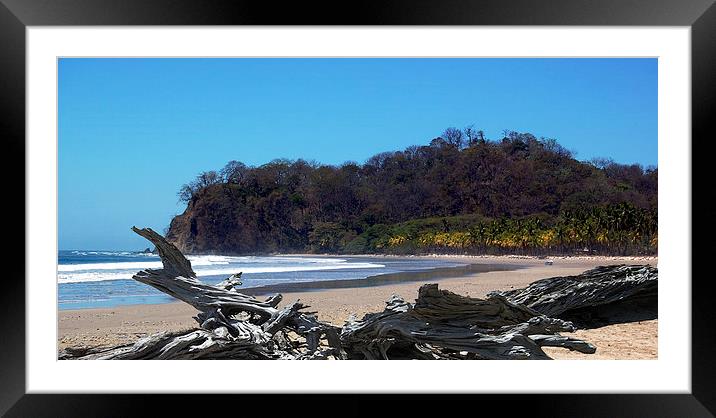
(597, 297)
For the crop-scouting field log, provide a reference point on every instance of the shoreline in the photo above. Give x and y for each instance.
(473, 264)
(447, 256)
(476, 256)
(436, 274)
(126, 324)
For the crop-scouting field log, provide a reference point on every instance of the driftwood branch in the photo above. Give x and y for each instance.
(229, 315)
(179, 280)
(596, 297)
(439, 325)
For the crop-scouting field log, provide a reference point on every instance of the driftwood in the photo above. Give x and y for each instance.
(596, 297)
(439, 325)
(231, 324)
(444, 325)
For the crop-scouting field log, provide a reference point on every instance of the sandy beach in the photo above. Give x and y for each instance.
(125, 324)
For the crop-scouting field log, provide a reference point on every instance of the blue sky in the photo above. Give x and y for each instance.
(132, 131)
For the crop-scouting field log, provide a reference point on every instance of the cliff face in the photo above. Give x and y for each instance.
(181, 233)
(220, 219)
(196, 232)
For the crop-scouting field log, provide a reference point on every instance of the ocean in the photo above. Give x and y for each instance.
(101, 279)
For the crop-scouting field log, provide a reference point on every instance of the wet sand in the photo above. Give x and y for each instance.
(125, 324)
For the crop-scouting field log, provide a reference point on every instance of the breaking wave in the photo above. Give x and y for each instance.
(207, 266)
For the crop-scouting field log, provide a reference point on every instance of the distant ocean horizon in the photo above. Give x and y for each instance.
(102, 279)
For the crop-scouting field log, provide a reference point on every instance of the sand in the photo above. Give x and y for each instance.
(125, 324)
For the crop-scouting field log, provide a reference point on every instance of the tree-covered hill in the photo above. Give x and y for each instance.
(461, 193)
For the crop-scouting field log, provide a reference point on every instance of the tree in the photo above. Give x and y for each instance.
(233, 172)
(473, 136)
(186, 192)
(454, 137)
(205, 179)
(438, 142)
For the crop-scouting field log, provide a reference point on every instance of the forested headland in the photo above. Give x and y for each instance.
(461, 193)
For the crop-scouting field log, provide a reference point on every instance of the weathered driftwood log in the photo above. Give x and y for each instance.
(596, 297)
(253, 344)
(179, 280)
(440, 325)
(445, 325)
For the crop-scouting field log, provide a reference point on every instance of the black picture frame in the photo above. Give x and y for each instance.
(16, 15)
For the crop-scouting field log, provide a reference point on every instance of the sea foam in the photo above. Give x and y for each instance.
(207, 266)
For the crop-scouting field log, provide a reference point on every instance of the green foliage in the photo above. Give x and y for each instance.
(613, 229)
(329, 237)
